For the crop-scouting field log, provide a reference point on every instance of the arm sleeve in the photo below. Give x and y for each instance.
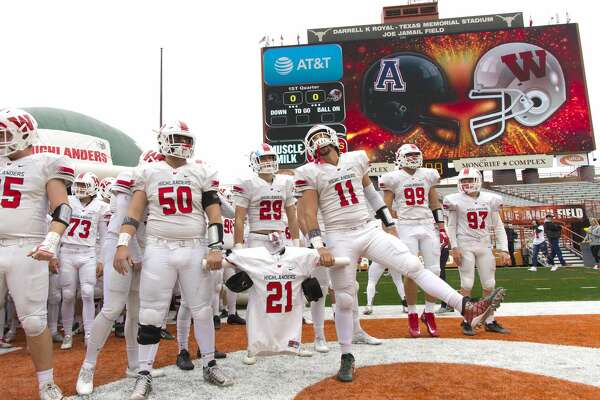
(227, 210)
(290, 198)
(501, 239)
(123, 183)
(374, 199)
(61, 168)
(102, 230)
(122, 207)
(241, 194)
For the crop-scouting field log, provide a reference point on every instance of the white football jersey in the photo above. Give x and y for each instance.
(23, 198)
(275, 300)
(228, 224)
(341, 195)
(175, 198)
(85, 222)
(473, 215)
(411, 194)
(265, 202)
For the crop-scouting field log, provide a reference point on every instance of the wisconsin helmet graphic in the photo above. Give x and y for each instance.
(526, 80)
(398, 90)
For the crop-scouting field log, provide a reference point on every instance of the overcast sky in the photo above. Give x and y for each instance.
(101, 58)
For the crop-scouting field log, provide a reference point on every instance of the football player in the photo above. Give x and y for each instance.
(410, 191)
(339, 185)
(79, 259)
(375, 272)
(119, 289)
(181, 197)
(31, 184)
(472, 217)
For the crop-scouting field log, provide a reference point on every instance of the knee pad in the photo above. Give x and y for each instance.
(203, 313)
(34, 325)
(343, 300)
(54, 298)
(87, 291)
(148, 334)
(489, 284)
(412, 266)
(68, 294)
(152, 317)
(435, 269)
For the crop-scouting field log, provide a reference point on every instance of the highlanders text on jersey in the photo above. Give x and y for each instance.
(23, 199)
(266, 202)
(411, 194)
(341, 194)
(474, 216)
(85, 222)
(175, 198)
(275, 300)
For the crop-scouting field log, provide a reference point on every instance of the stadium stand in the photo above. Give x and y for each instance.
(509, 199)
(553, 193)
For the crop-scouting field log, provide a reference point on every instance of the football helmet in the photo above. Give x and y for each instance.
(317, 137)
(227, 194)
(18, 128)
(409, 156)
(105, 186)
(149, 156)
(260, 161)
(472, 186)
(85, 185)
(398, 90)
(526, 80)
(175, 139)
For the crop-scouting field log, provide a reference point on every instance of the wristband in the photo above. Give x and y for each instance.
(124, 239)
(238, 246)
(438, 215)
(50, 243)
(317, 242)
(131, 221)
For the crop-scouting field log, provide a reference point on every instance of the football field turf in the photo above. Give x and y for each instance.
(566, 284)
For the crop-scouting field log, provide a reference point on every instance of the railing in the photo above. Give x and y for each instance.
(571, 240)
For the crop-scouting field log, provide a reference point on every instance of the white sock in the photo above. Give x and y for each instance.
(429, 307)
(52, 318)
(370, 292)
(147, 353)
(45, 377)
(412, 308)
(317, 312)
(100, 331)
(399, 286)
(67, 311)
(355, 316)
(344, 328)
(231, 300)
(88, 311)
(184, 321)
(131, 345)
(436, 287)
(204, 332)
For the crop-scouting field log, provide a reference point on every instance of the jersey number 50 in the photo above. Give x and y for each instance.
(275, 290)
(183, 195)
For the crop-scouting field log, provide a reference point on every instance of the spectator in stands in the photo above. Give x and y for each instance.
(511, 235)
(553, 231)
(538, 243)
(593, 238)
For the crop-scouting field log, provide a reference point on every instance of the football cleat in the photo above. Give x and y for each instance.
(495, 327)
(429, 320)
(119, 329)
(85, 381)
(368, 310)
(235, 319)
(215, 375)
(476, 311)
(302, 352)
(155, 373)
(321, 346)
(532, 269)
(50, 391)
(67, 342)
(404, 306)
(217, 322)
(413, 325)
(143, 386)
(10, 336)
(249, 359)
(363, 338)
(346, 371)
(184, 362)
(5, 345)
(166, 335)
(57, 338)
(218, 354)
(466, 329)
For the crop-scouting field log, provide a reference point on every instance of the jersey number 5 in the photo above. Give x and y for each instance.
(183, 195)
(476, 219)
(275, 290)
(11, 198)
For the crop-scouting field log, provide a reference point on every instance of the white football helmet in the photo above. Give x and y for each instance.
(85, 185)
(18, 128)
(227, 194)
(409, 156)
(264, 166)
(526, 80)
(319, 136)
(472, 186)
(150, 156)
(105, 186)
(170, 143)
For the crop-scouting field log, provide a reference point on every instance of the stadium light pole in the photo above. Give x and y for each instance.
(161, 89)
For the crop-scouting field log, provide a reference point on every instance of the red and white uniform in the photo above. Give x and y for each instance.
(471, 221)
(415, 224)
(275, 300)
(79, 254)
(266, 203)
(23, 225)
(176, 242)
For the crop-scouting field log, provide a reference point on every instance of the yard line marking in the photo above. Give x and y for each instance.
(573, 279)
(543, 288)
(589, 287)
(536, 279)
